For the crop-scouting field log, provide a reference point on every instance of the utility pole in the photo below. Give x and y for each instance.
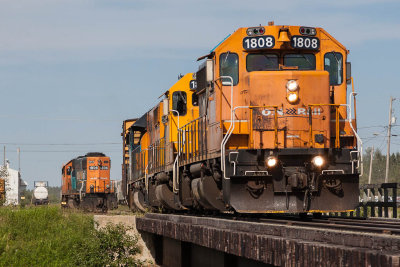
(4, 156)
(19, 160)
(370, 170)
(388, 141)
(370, 165)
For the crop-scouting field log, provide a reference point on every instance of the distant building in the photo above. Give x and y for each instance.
(14, 185)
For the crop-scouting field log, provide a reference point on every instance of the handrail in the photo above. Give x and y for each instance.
(146, 182)
(359, 141)
(337, 121)
(223, 142)
(232, 127)
(192, 121)
(190, 143)
(175, 167)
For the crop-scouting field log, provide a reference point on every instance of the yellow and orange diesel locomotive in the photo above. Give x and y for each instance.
(86, 183)
(273, 129)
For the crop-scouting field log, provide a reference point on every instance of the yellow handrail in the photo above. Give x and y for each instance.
(275, 123)
(337, 122)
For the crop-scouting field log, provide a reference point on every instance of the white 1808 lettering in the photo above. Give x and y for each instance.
(305, 42)
(193, 84)
(259, 42)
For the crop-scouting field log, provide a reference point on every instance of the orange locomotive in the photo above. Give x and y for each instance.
(275, 130)
(86, 183)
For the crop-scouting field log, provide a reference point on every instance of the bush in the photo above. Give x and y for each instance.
(44, 236)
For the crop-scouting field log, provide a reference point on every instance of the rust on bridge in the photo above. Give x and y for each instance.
(273, 243)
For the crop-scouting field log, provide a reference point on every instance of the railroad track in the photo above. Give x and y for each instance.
(370, 225)
(364, 225)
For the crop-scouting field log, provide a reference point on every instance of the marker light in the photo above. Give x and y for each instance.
(292, 85)
(255, 31)
(292, 97)
(271, 161)
(307, 31)
(318, 161)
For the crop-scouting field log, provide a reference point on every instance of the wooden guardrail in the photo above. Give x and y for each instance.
(376, 200)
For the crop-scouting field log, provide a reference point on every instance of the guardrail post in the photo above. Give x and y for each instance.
(380, 205)
(394, 195)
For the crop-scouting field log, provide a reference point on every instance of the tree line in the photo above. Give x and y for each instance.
(379, 167)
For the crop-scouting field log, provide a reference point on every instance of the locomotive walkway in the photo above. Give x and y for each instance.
(184, 240)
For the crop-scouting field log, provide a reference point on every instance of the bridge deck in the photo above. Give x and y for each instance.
(264, 241)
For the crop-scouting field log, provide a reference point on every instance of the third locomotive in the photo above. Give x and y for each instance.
(86, 183)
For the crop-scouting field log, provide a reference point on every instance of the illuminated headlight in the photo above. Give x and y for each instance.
(292, 97)
(292, 86)
(318, 161)
(271, 161)
(108, 186)
(91, 186)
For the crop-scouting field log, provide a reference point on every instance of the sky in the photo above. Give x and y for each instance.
(71, 71)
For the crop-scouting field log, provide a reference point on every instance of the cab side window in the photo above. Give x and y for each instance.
(333, 63)
(179, 102)
(229, 66)
(195, 99)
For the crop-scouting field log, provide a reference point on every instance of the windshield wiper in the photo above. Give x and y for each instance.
(266, 56)
(337, 60)
(307, 60)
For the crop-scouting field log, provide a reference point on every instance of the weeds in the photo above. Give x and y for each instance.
(45, 236)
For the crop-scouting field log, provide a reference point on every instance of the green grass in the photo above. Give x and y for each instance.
(46, 236)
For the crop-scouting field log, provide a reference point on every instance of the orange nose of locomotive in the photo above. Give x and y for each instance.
(301, 100)
(99, 175)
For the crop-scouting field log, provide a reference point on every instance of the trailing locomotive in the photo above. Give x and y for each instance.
(266, 125)
(86, 183)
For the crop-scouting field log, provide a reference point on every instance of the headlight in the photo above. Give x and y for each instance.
(271, 161)
(318, 161)
(292, 86)
(108, 186)
(91, 186)
(292, 97)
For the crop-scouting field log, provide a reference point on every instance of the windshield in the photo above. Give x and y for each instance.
(261, 62)
(270, 62)
(302, 61)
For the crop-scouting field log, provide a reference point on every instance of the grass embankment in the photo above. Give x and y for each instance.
(46, 236)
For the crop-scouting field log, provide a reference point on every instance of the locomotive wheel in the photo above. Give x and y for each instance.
(166, 197)
(131, 202)
(138, 200)
(207, 194)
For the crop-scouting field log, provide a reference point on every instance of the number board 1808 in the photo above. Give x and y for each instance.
(259, 42)
(304, 42)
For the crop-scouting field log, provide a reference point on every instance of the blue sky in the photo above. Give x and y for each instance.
(71, 71)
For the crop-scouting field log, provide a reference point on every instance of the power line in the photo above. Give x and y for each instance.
(61, 151)
(59, 144)
(373, 126)
(58, 118)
